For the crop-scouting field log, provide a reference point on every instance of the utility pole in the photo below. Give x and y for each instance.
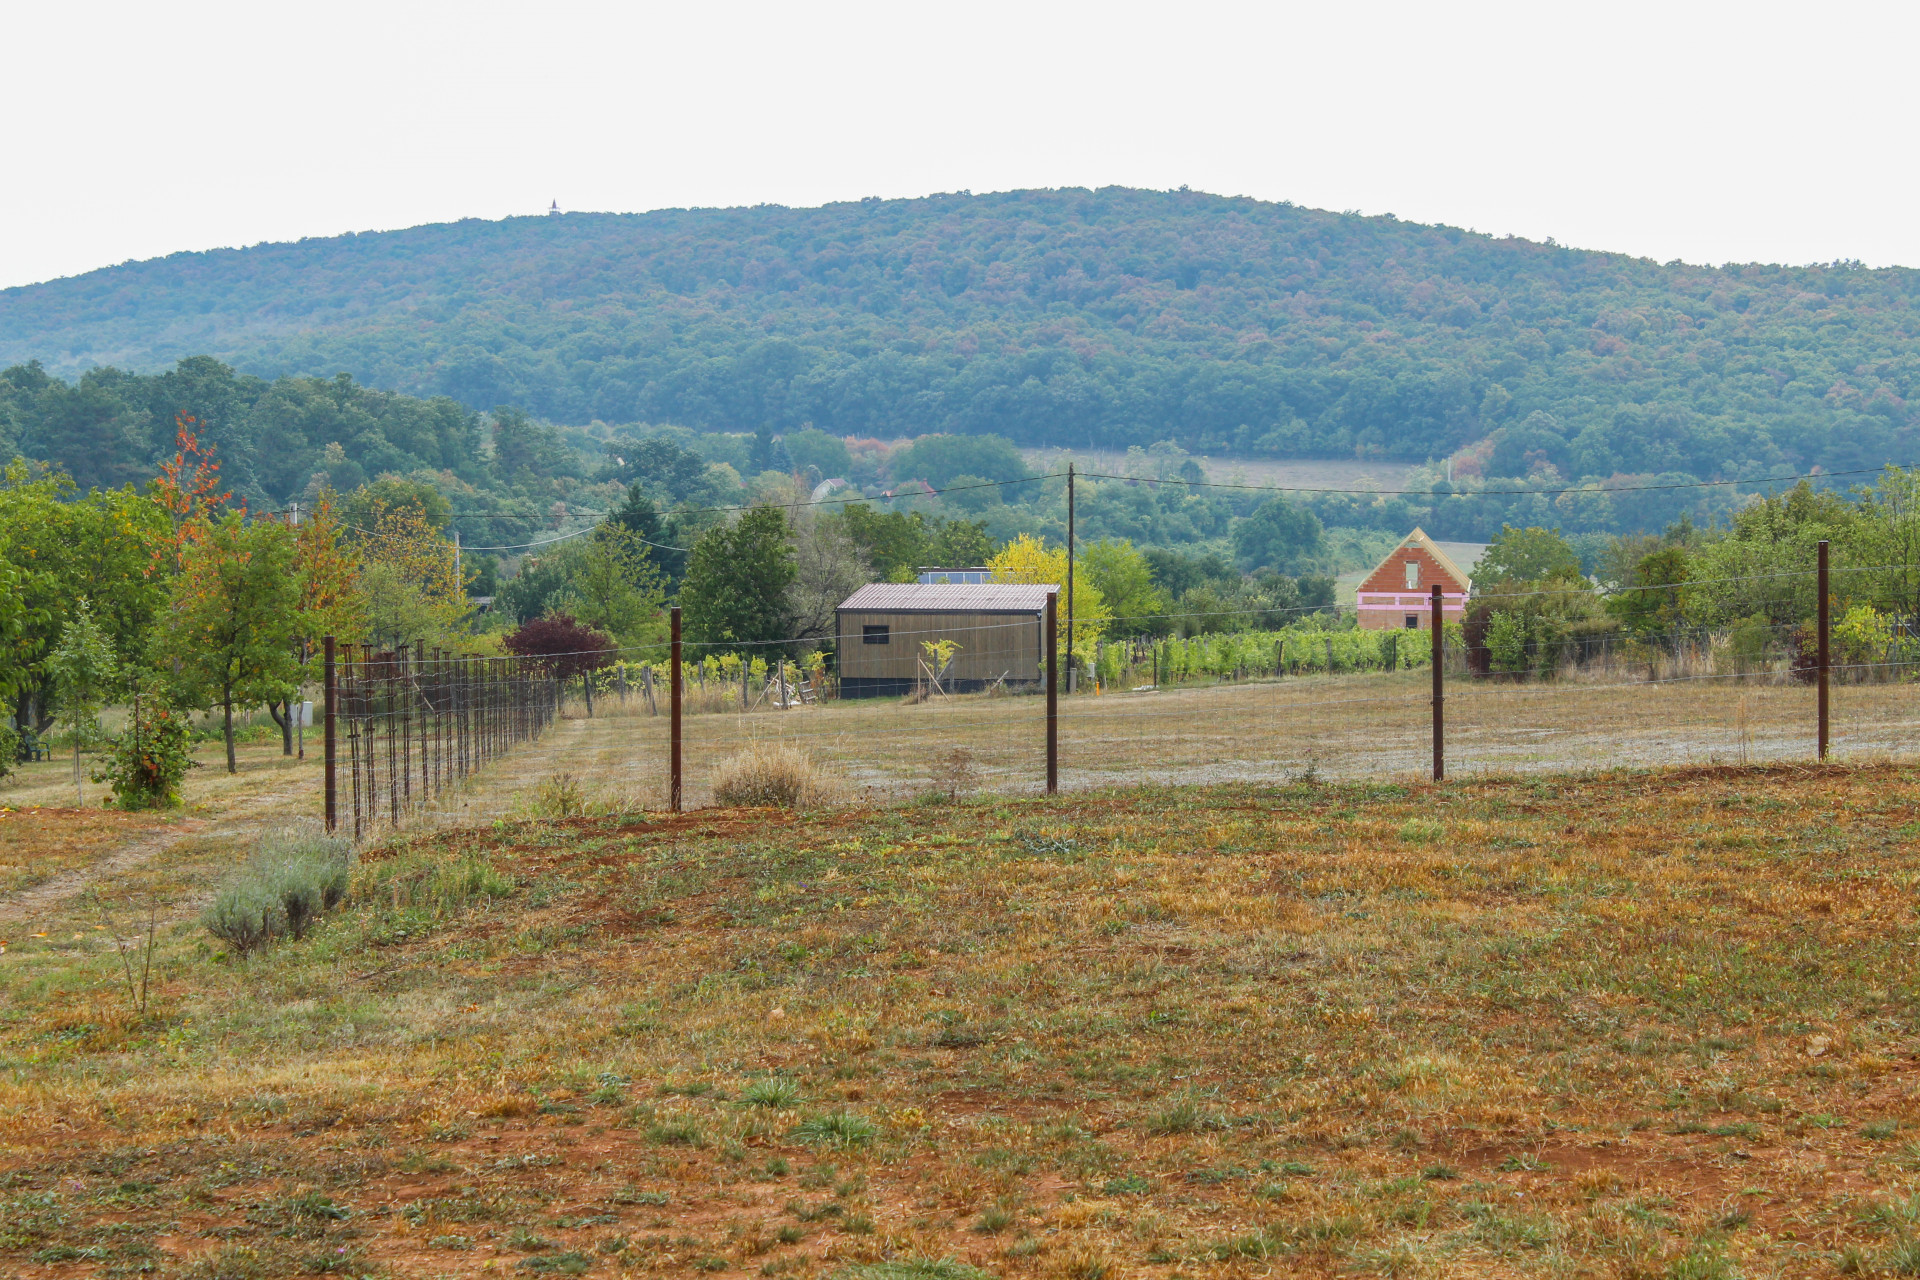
(1073, 668)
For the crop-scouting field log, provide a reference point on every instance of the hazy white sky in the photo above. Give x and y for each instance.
(1712, 133)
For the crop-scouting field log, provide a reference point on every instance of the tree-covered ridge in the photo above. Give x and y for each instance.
(502, 475)
(1108, 318)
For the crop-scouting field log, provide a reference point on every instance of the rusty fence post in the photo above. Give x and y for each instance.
(1439, 688)
(1053, 693)
(673, 756)
(332, 790)
(1825, 652)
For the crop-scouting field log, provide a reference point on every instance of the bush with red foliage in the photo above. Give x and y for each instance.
(563, 646)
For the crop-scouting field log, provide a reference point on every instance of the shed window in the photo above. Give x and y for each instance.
(1413, 574)
(1413, 622)
(876, 634)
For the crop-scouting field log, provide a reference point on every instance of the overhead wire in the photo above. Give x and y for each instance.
(1478, 493)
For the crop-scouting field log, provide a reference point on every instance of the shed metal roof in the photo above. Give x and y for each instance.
(942, 597)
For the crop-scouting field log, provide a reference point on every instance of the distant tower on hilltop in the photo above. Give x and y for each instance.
(554, 211)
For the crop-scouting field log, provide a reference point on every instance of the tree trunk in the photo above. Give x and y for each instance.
(283, 717)
(227, 706)
(79, 795)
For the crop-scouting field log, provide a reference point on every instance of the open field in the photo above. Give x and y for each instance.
(1373, 725)
(1319, 473)
(1625, 1024)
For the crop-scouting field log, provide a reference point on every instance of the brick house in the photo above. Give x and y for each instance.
(1399, 591)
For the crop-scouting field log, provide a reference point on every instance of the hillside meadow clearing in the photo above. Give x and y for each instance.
(1622, 1024)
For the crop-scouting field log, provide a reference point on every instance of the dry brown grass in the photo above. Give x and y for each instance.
(1635, 1024)
(1350, 727)
(37, 844)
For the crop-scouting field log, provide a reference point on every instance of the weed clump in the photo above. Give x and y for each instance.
(840, 1129)
(559, 796)
(776, 1092)
(917, 1269)
(768, 776)
(422, 880)
(296, 876)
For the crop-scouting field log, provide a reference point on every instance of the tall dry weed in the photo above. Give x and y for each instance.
(769, 775)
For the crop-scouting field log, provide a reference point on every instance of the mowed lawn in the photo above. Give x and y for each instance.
(1626, 1024)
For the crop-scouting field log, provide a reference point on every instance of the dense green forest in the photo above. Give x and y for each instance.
(1080, 318)
(503, 476)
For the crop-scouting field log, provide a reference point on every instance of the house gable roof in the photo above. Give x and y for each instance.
(1418, 541)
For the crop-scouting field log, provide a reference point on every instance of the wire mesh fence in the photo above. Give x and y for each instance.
(416, 722)
(1337, 704)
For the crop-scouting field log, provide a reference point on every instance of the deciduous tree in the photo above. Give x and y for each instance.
(1278, 535)
(229, 633)
(114, 548)
(563, 648)
(84, 669)
(1030, 560)
(736, 589)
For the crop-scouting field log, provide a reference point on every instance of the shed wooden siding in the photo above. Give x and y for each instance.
(990, 644)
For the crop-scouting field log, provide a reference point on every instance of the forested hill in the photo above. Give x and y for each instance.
(1071, 317)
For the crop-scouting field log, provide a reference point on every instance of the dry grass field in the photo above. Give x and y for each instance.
(1327, 473)
(1653, 1024)
(1365, 726)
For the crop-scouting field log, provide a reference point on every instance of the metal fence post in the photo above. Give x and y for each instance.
(1053, 693)
(673, 766)
(1439, 689)
(1825, 652)
(327, 752)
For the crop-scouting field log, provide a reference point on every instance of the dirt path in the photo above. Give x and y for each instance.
(229, 810)
(34, 900)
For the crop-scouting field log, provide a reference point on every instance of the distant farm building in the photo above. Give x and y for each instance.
(1399, 592)
(998, 630)
(973, 575)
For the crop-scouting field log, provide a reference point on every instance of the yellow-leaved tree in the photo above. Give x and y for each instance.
(412, 584)
(1030, 560)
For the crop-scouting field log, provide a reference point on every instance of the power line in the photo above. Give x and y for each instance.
(1481, 493)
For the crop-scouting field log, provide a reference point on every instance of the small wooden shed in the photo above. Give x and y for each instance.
(998, 628)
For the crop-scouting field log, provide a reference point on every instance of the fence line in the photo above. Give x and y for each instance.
(418, 721)
(1437, 663)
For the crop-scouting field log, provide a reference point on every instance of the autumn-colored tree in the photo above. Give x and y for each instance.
(414, 583)
(188, 486)
(560, 645)
(332, 599)
(1028, 559)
